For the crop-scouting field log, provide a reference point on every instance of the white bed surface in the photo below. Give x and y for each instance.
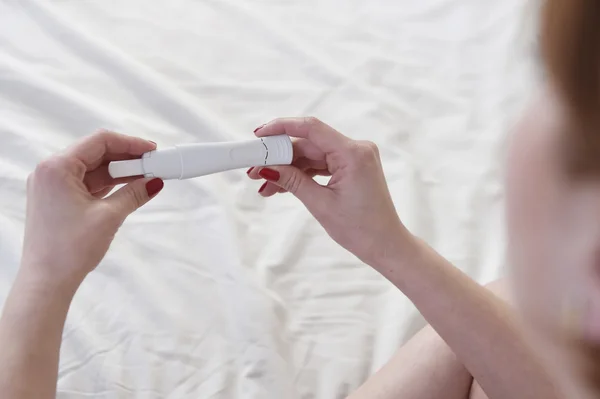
(211, 290)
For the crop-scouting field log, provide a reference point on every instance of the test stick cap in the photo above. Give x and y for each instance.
(118, 169)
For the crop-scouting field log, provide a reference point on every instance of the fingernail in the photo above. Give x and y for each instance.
(262, 188)
(154, 186)
(250, 170)
(260, 127)
(269, 174)
(153, 142)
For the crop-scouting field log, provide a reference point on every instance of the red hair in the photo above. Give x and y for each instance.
(570, 40)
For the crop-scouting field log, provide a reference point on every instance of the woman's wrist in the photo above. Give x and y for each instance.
(43, 278)
(402, 249)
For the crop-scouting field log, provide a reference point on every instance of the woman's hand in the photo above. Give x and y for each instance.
(69, 224)
(355, 207)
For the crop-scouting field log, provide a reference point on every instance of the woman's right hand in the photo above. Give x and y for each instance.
(355, 207)
(70, 220)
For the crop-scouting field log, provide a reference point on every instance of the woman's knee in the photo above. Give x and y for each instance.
(476, 392)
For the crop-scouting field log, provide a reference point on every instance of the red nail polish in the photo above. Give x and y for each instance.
(269, 174)
(154, 186)
(250, 170)
(260, 127)
(262, 188)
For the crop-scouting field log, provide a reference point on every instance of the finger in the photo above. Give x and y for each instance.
(303, 148)
(93, 150)
(302, 164)
(296, 182)
(268, 189)
(317, 172)
(103, 193)
(134, 195)
(98, 179)
(110, 157)
(311, 173)
(323, 136)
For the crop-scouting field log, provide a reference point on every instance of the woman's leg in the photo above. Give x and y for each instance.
(425, 368)
(477, 392)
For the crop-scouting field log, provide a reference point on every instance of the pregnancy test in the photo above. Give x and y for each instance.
(193, 160)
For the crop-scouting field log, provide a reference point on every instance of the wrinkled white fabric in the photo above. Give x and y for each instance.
(211, 290)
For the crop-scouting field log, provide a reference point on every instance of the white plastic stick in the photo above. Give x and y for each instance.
(193, 160)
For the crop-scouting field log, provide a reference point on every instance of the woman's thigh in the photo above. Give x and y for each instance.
(477, 392)
(426, 368)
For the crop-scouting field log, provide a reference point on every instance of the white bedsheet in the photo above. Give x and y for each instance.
(210, 290)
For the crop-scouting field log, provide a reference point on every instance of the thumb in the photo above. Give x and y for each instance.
(135, 194)
(296, 182)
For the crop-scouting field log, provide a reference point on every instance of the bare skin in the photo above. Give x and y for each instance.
(69, 228)
(482, 336)
(553, 225)
(426, 368)
(482, 330)
(534, 174)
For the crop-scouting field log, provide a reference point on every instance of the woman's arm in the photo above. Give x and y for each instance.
(479, 327)
(30, 334)
(356, 210)
(69, 227)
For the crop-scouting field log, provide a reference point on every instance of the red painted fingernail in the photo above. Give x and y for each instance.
(260, 127)
(250, 170)
(262, 188)
(154, 186)
(269, 174)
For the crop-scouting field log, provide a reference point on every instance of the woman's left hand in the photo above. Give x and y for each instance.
(69, 224)
(355, 206)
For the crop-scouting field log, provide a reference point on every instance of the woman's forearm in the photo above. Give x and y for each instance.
(70, 224)
(30, 335)
(480, 328)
